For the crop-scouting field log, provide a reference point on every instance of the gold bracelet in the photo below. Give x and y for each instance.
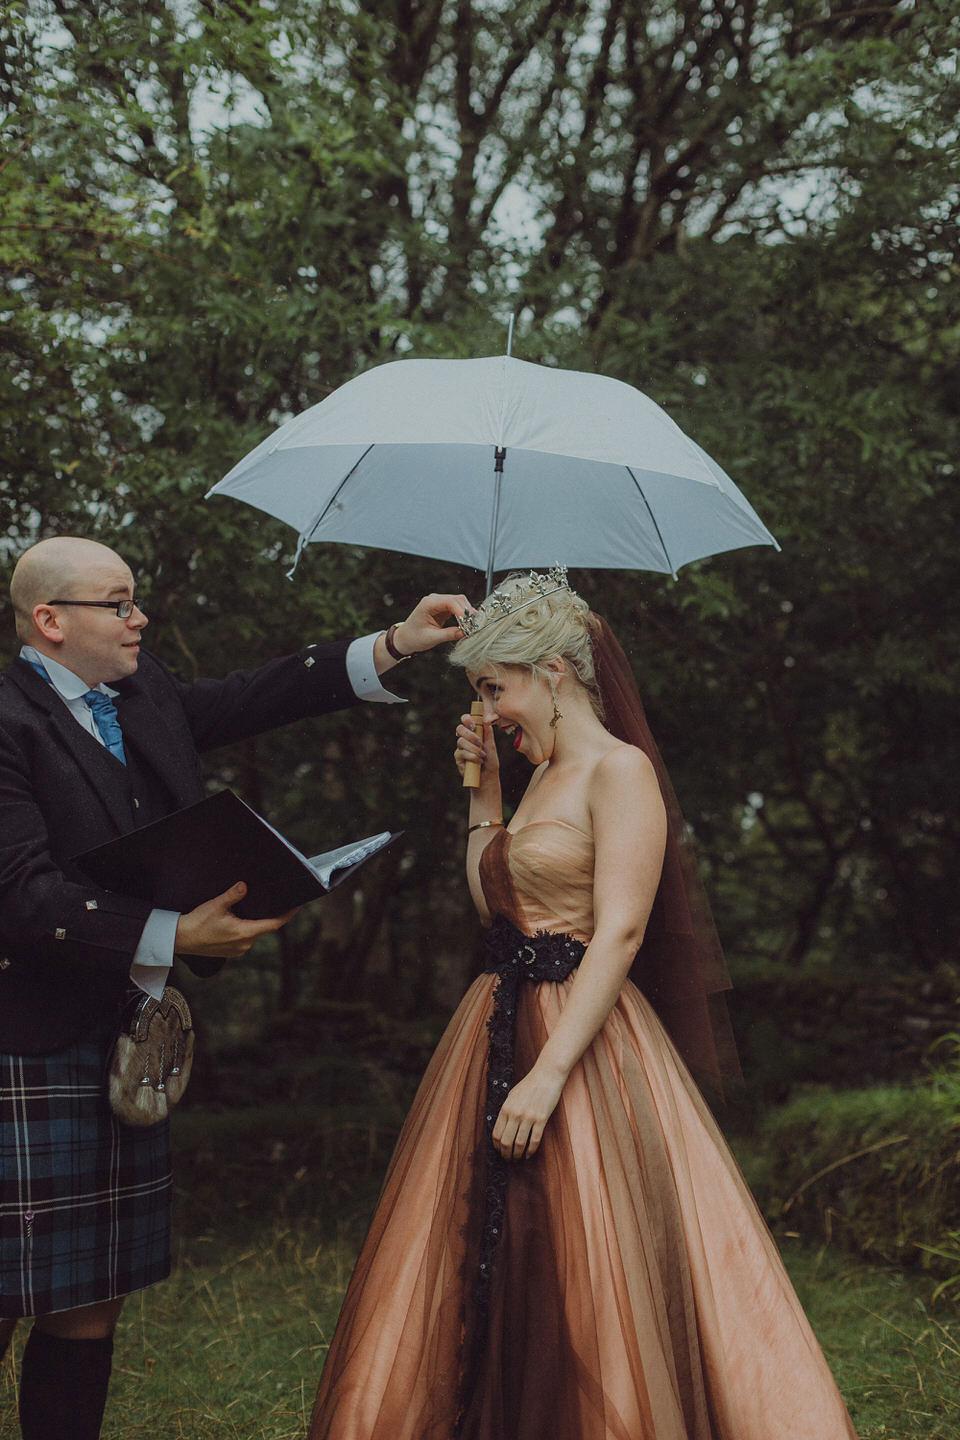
(482, 825)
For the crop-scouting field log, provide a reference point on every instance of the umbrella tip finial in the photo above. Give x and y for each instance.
(510, 336)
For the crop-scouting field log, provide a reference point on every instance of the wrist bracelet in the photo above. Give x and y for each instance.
(392, 650)
(482, 825)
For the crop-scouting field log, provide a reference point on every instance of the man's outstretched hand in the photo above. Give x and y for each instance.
(429, 624)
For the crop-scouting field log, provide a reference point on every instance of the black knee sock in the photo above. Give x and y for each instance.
(63, 1387)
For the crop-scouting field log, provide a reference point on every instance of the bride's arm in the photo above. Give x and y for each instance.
(485, 802)
(630, 830)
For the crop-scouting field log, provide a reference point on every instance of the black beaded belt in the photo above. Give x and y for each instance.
(544, 956)
(515, 957)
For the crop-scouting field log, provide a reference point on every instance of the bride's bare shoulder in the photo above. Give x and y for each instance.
(624, 784)
(623, 773)
(624, 762)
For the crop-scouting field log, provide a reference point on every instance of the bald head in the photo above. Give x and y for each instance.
(55, 569)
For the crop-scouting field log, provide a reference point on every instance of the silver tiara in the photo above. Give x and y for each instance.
(501, 603)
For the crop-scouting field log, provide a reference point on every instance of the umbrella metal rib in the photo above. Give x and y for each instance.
(311, 530)
(499, 455)
(653, 521)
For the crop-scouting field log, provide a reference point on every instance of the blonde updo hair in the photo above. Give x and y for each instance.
(537, 628)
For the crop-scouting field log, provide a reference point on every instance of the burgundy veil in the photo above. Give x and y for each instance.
(680, 966)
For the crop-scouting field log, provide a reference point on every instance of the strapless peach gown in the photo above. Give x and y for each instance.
(637, 1293)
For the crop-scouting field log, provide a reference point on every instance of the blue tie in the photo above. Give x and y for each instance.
(105, 719)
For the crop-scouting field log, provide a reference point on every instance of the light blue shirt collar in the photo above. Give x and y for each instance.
(67, 685)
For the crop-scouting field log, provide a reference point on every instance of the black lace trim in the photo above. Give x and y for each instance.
(515, 957)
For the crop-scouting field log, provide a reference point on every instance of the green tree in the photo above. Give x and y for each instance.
(211, 214)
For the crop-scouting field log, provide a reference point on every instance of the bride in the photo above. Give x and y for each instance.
(564, 1248)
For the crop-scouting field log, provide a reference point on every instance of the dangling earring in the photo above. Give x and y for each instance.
(557, 712)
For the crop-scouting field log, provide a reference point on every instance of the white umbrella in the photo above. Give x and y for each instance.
(501, 464)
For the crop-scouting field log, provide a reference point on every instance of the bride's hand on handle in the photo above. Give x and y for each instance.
(524, 1114)
(485, 817)
(479, 748)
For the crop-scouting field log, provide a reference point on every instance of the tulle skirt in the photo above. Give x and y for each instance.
(636, 1292)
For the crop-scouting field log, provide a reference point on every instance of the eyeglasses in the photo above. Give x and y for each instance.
(124, 608)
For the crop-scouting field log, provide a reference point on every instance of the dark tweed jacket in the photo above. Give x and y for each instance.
(66, 945)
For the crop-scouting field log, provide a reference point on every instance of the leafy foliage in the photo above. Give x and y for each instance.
(874, 1171)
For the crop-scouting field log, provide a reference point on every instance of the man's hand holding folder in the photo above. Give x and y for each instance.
(228, 873)
(213, 931)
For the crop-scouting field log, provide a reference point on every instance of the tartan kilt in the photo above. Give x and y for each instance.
(84, 1200)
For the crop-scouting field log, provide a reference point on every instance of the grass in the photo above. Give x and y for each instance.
(230, 1348)
(271, 1207)
(895, 1355)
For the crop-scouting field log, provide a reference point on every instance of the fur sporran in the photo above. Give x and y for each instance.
(151, 1060)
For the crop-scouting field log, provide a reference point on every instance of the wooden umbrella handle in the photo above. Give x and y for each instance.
(471, 770)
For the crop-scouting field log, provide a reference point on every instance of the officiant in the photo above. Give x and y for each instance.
(97, 739)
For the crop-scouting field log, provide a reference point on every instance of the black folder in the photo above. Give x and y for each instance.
(194, 854)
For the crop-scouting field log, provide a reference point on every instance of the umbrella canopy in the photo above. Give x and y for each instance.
(499, 464)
